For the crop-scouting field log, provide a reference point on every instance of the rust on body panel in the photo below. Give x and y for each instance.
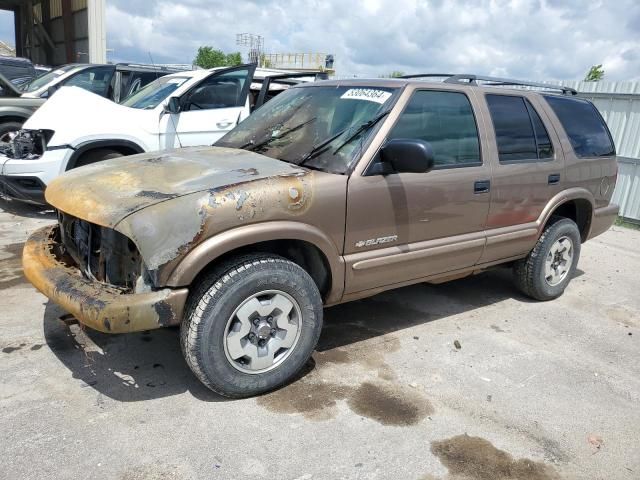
(95, 304)
(201, 215)
(106, 192)
(194, 193)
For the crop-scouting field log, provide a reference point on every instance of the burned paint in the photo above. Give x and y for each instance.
(105, 192)
(477, 459)
(155, 195)
(170, 229)
(166, 314)
(242, 197)
(94, 304)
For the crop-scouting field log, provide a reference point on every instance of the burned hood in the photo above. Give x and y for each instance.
(106, 192)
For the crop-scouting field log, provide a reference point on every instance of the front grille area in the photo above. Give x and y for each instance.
(101, 253)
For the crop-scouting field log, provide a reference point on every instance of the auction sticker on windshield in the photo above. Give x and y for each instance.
(370, 94)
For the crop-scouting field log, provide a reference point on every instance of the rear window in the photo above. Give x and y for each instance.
(584, 126)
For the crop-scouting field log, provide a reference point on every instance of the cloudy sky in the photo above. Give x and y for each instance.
(534, 39)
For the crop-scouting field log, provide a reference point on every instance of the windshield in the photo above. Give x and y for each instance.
(153, 94)
(39, 82)
(320, 127)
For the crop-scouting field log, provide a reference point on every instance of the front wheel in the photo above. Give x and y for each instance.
(547, 270)
(251, 325)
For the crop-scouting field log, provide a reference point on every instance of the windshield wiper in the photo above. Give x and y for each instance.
(362, 128)
(322, 146)
(257, 146)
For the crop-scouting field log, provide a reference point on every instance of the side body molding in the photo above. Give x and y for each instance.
(214, 247)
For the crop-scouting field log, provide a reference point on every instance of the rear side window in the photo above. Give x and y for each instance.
(584, 126)
(446, 121)
(520, 134)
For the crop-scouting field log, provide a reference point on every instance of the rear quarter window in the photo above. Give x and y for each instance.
(583, 125)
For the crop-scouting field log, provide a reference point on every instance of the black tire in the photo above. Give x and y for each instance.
(214, 301)
(8, 127)
(529, 272)
(96, 156)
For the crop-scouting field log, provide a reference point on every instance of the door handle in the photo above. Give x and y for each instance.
(224, 123)
(554, 179)
(482, 186)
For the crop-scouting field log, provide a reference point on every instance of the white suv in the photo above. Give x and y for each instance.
(76, 127)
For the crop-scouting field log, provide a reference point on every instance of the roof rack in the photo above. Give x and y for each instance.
(427, 75)
(470, 79)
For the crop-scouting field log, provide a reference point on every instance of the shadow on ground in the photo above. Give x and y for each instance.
(147, 365)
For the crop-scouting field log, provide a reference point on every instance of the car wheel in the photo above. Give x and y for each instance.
(7, 129)
(96, 156)
(251, 325)
(547, 270)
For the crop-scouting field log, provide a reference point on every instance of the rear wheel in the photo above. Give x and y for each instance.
(547, 270)
(97, 156)
(251, 325)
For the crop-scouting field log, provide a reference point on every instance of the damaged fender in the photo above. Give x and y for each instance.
(94, 304)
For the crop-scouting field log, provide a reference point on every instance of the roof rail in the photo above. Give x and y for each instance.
(497, 81)
(470, 79)
(427, 75)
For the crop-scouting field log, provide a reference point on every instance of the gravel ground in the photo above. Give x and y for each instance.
(465, 380)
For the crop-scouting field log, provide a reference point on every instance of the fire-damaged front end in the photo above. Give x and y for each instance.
(96, 274)
(102, 254)
(124, 225)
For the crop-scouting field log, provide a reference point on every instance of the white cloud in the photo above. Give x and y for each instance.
(542, 39)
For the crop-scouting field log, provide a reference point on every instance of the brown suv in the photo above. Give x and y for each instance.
(331, 192)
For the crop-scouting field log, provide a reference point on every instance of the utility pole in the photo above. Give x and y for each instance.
(255, 44)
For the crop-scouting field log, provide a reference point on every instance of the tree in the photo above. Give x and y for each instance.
(209, 57)
(234, 59)
(595, 74)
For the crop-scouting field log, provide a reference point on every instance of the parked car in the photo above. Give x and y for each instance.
(114, 82)
(331, 192)
(16, 67)
(77, 128)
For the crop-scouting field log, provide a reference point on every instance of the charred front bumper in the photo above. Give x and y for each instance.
(95, 304)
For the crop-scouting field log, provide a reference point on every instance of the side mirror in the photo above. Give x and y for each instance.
(404, 155)
(173, 105)
(51, 90)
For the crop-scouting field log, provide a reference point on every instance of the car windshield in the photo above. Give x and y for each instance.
(154, 93)
(322, 127)
(43, 80)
